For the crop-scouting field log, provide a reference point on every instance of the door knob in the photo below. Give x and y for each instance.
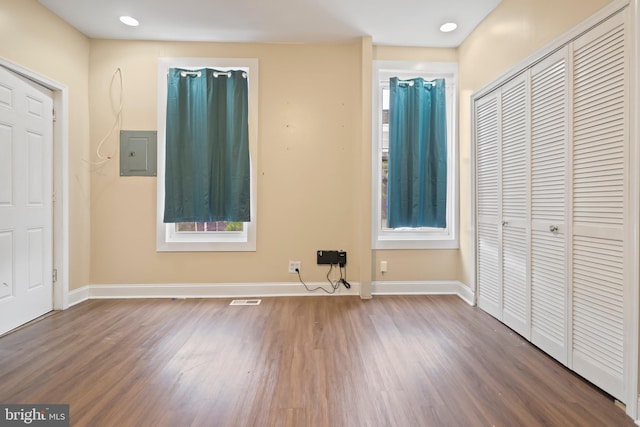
(553, 228)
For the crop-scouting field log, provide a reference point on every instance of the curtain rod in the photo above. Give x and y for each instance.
(215, 73)
(410, 82)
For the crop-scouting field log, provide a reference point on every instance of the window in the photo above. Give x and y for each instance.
(217, 235)
(384, 237)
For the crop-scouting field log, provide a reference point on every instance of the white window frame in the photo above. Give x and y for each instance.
(167, 240)
(423, 238)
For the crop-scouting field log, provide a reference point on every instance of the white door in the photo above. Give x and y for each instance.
(488, 206)
(600, 205)
(549, 192)
(26, 143)
(515, 205)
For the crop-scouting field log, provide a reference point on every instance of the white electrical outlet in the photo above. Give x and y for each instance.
(383, 266)
(293, 265)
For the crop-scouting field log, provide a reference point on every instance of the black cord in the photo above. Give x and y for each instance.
(334, 286)
(343, 279)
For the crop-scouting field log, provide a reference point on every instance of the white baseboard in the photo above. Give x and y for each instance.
(233, 290)
(77, 296)
(443, 287)
(205, 290)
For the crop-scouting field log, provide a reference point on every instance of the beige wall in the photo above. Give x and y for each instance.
(309, 180)
(309, 125)
(513, 31)
(34, 38)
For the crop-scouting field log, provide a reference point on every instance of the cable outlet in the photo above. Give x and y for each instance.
(293, 265)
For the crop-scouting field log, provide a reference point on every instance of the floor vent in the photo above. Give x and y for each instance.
(245, 302)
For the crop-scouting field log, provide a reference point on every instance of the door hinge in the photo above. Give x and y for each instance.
(53, 112)
(54, 276)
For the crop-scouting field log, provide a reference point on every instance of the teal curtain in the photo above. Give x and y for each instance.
(207, 175)
(417, 180)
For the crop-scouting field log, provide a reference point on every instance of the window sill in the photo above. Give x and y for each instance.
(413, 241)
(205, 247)
(203, 242)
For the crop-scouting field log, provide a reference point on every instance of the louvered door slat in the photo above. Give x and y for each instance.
(549, 133)
(548, 293)
(600, 150)
(515, 300)
(488, 202)
(598, 320)
(514, 154)
(489, 292)
(515, 194)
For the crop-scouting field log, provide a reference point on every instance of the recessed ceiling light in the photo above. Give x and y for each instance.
(448, 27)
(128, 20)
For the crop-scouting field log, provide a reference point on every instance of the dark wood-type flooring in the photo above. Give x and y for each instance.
(295, 361)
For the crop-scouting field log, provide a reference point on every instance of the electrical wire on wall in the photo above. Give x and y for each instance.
(343, 279)
(334, 285)
(117, 123)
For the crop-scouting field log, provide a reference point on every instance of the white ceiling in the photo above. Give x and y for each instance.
(399, 22)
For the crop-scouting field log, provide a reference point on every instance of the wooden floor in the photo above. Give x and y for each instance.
(298, 361)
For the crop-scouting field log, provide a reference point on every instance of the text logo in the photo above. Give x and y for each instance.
(34, 415)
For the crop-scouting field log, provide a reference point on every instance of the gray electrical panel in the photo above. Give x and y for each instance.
(138, 152)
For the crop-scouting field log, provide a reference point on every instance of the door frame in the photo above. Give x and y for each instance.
(60, 207)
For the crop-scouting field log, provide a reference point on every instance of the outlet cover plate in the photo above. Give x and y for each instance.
(293, 265)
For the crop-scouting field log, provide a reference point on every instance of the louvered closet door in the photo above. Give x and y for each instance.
(515, 210)
(549, 141)
(600, 168)
(488, 204)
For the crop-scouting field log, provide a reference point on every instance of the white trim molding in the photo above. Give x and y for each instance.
(205, 290)
(633, 409)
(77, 296)
(443, 287)
(416, 238)
(234, 290)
